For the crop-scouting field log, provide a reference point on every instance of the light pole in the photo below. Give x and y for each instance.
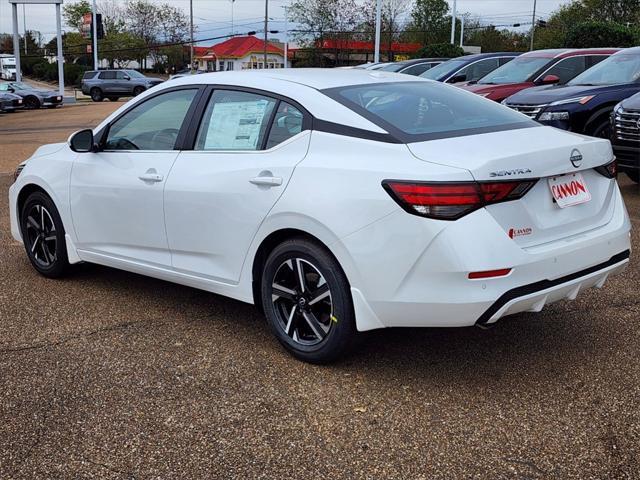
(453, 23)
(376, 51)
(94, 35)
(286, 37)
(533, 24)
(266, 31)
(24, 24)
(191, 29)
(461, 30)
(232, 32)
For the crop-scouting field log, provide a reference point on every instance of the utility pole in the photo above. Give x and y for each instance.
(24, 24)
(286, 37)
(533, 24)
(376, 50)
(266, 31)
(461, 30)
(453, 23)
(232, 2)
(191, 29)
(94, 35)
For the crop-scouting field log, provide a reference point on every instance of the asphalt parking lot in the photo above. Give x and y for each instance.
(107, 374)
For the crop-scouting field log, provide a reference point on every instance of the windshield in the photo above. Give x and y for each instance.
(427, 110)
(134, 74)
(518, 70)
(443, 69)
(615, 69)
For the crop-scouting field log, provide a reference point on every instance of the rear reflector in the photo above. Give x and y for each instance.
(450, 201)
(610, 170)
(490, 274)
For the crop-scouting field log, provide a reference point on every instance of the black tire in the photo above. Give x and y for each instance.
(602, 129)
(634, 175)
(114, 99)
(96, 94)
(313, 326)
(31, 103)
(137, 91)
(43, 237)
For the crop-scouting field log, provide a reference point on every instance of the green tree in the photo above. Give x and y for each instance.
(442, 50)
(73, 13)
(429, 17)
(599, 34)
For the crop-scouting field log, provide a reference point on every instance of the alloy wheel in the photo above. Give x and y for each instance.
(302, 300)
(41, 235)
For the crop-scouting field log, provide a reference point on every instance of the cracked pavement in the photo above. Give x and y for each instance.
(111, 375)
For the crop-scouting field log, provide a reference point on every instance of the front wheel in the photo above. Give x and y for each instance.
(43, 235)
(137, 91)
(603, 130)
(307, 301)
(31, 103)
(96, 95)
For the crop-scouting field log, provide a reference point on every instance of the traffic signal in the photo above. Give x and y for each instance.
(99, 26)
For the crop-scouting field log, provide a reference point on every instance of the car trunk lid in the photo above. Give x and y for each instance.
(553, 157)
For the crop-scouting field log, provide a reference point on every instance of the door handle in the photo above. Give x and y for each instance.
(266, 181)
(151, 177)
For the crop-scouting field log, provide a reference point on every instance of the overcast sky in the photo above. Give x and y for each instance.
(213, 17)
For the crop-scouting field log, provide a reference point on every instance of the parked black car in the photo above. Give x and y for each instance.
(468, 68)
(584, 104)
(10, 102)
(625, 138)
(113, 84)
(414, 67)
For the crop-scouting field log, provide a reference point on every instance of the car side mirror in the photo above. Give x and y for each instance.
(458, 78)
(127, 77)
(11, 89)
(550, 79)
(82, 141)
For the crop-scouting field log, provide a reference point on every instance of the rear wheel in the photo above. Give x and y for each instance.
(31, 103)
(96, 95)
(43, 235)
(307, 301)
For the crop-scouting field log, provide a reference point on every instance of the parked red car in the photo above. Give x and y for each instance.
(541, 67)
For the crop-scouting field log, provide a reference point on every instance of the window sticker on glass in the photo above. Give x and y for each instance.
(236, 125)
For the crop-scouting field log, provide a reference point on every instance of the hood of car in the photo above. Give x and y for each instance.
(9, 96)
(632, 103)
(553, 93)
(497, 92)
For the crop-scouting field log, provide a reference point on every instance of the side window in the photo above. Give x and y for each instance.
(120, 75)
(88, 75)
(504, 60)
(594, 60)
(4, 87)
(107, 75)
(235, 121)
(286, 123)
(153, 124)
(417, 69)
(567, 68)
(479, 69)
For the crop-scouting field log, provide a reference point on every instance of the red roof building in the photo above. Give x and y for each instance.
(238, 53)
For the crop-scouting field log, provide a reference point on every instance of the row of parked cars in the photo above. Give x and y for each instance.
(589, 91)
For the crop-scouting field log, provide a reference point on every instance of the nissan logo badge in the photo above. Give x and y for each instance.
(576, 158)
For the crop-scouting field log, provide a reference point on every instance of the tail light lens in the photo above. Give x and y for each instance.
(450, 201)
(610, 170)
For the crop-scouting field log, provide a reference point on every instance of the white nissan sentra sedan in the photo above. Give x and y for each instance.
(337, 201)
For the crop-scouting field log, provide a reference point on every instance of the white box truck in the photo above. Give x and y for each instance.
(8, 67)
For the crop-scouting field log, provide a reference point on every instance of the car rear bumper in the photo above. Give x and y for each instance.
(420, 278)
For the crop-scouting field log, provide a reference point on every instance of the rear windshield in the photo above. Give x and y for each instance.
(88, 75)
(418, 111)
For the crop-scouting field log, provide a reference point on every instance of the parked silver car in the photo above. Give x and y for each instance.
(10, 102)
(33, 97)
(113, 84)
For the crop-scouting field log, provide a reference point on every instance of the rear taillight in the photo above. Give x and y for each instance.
(450, 201)
(610, 170)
